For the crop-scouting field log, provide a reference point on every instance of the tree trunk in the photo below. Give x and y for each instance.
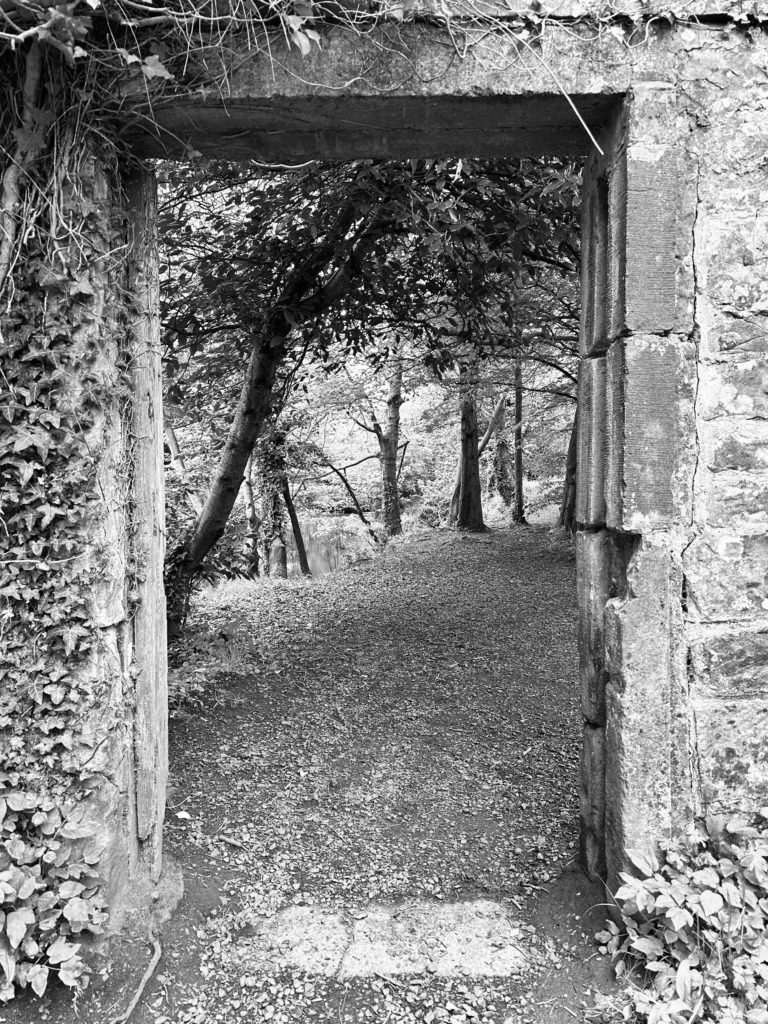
(503, 471)
(518, 509)
(251, 544)
(250, 415)
(568, 505)
(180, 467)
(497, 416)
(470, 507)
(252, 411)
(503, 468)
(278, 559)
(298, 537)
(389, 442)
(297, 301)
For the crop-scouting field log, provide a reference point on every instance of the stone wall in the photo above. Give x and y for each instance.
(673, 470)
(672, 486)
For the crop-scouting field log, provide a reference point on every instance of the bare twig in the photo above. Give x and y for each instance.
(157, 952)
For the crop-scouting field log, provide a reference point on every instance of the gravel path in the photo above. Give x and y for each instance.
(406, 729)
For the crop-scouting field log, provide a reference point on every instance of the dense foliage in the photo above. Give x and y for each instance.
(696, 924)
(54, 380)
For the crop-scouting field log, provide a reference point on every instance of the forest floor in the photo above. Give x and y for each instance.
(374, 799)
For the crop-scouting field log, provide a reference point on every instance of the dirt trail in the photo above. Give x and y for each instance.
(386, 756)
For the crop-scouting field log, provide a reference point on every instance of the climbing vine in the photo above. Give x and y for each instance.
(53, 722)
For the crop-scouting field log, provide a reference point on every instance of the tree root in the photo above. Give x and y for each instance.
(157, 952)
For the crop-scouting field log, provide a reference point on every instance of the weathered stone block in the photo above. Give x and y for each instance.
(594, 270)
(736, 499)
(617, 241)
(643, 204)
(651, 435)
(736, 386)
(590, 498)
(737, 444)
(735, 244)
(652, 201)
(732, 665)
(639, 733)
(593, 570)
(592, 801)
(726, 574)
(730, 744)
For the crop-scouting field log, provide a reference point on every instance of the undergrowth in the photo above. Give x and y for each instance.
(694, 941)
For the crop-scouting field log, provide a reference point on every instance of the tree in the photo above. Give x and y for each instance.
(278, 265)
(469, 515)
(518, 509)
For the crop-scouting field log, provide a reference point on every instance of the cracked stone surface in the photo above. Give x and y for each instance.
(473, 938)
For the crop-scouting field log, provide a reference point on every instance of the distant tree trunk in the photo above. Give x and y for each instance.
(568, 505)
(251, 544)
(389, 442)
(503, 470)
(277, 557)
(469, 514)
(518, 508)
(298, 537)
(497, 416)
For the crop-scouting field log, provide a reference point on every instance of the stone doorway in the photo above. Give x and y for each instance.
(672, 548)
(634, 470)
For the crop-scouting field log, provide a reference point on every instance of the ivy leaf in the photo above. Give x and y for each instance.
(644, 860)
(71, 972)
(153, 67)
(650, 946)
(679, 918)
(129, 58)
(26, 888)
(60, 951)
(81, 286)
(16, 925)
(38, 978)
(69, 889)
(75, 830)
(76, 912)
(711, 903)
(755, 868)
(8, 963)
(21, 801)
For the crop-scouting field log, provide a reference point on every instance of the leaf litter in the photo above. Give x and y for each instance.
(407, 729)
